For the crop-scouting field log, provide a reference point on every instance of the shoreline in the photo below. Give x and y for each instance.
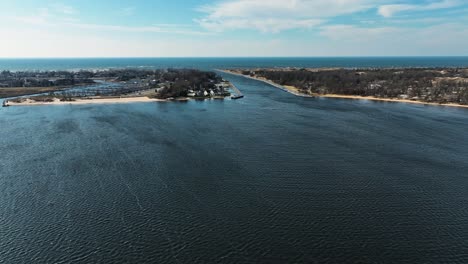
(293, 90)
(104, 100)
(30, 102)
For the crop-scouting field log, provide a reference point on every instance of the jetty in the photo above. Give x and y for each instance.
(238, 94)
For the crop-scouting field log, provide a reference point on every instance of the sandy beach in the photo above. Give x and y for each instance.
(88, 101)
(386, 100)
(295, 91)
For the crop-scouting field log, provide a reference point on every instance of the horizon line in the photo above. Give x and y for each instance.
(243, 57)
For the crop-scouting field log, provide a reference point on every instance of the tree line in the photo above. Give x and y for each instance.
(439, 85)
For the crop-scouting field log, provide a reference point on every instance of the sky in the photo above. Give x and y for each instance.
(232, 28)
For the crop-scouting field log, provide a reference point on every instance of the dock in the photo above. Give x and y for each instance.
(238, 94)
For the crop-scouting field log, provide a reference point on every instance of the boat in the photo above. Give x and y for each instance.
(5, 103)
(237, 94)
(235, 97)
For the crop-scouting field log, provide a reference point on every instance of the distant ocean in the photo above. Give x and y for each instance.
(211, 63)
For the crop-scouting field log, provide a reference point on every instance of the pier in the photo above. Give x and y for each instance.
(238, 94)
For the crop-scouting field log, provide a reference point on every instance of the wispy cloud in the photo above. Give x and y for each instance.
(45, 20)
(387, 40)
(391, 10)
(356, 33)
(33, 20)
(64, 9)
(324, 27)
(280, 15)
(268, 25)
(41, 17)
(347, 41)
(61, 16)
(53, 14)
(275, 15)
(170, 29)
(127, 11)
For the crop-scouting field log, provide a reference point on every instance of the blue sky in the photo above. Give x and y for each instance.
(209, 28)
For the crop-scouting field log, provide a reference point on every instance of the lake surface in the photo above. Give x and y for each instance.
(271, 178)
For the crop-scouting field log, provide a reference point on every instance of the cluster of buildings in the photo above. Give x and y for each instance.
(220, 89)
(170, 83)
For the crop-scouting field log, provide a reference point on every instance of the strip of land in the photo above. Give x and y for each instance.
(110, 86)
(95, 100)
(456, 81)
(386, 100)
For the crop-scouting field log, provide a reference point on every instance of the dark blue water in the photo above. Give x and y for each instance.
(271, 178)
(212, 63)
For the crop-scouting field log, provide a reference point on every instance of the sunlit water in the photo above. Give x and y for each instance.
(271, 178)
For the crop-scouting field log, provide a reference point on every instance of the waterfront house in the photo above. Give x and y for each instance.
(191, 93)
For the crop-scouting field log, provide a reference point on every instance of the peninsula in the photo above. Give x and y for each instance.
(106, 86)
(434, 86)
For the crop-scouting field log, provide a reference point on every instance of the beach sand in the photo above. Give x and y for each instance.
(394, 100)
(89, 101)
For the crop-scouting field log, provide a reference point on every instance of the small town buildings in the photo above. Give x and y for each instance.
(191, 93)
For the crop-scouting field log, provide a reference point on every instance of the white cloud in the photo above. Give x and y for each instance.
(390, 10)
(355, 33)
(301, 8)
(339, 40)
(33, 20)
(173, 29)
(46, 16)
(40, 18)
(267, 25)
(64, 9)
(127, 11)
(45, 19)
(58, 31)
(43, 12)
(49, 44)
(443, 39)
(276, 15)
